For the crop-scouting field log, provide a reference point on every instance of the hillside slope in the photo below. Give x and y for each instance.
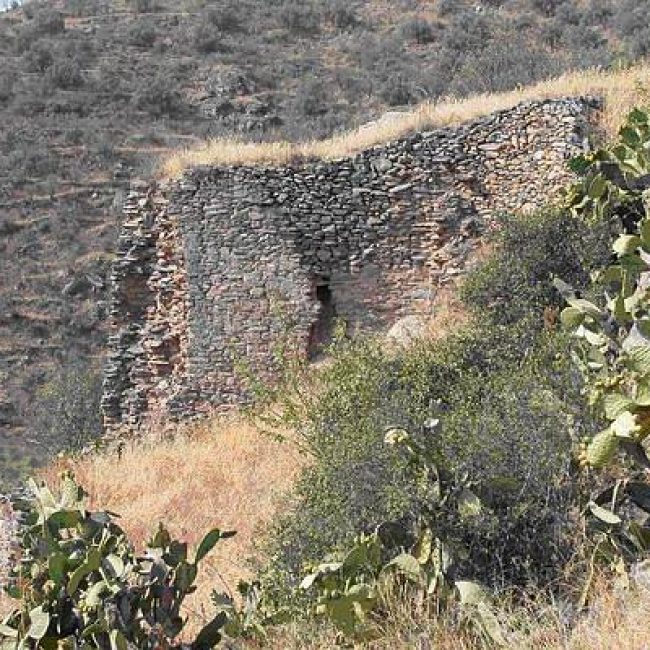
(93, 92)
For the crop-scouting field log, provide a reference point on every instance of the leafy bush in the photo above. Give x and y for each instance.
(488, 404)
(159, 98)
(142, 34)
(340, 13)
(503, 64)
(65, 415)
(498, 407)
(518, 282)
(613, 342)
(300, 17)
(615, 356)
(65, 74)
(80, 584)
(418, 30)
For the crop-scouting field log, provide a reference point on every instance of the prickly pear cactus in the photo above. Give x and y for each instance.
(601, 449)
(615, 334)
(80, 584)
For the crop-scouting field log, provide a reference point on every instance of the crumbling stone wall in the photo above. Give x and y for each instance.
(216, 267)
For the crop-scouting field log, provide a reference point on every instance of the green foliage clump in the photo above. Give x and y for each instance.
(615, 355)
(65, 414)
(507, 407)
(356, 581)
(517, 282)
(613, 341)
(81, 585)
(142, 34)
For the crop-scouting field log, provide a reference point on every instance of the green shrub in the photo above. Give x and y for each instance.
(65, 414)
(418, 30)
(159, 98)
(508, 406)
(503, 425)
(142, 34)
(517, 282)
(65, 74)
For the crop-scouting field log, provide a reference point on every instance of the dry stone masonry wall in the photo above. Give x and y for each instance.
(216, 268)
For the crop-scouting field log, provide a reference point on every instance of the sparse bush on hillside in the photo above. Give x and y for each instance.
(143, 6)
(300, 17)
(48, 21)
(533, 250)
(418, 30)
(547, 7)
(7, 81)
(399, 90)
(81, 8)
(65, 74)
(311, 98)
(32, 161)
(39, 57)
(159, 98)
(65, 415)
(142, 34)
(632, 22)
(227, 17)
(340, 13)
(207, 39)
(468, 32)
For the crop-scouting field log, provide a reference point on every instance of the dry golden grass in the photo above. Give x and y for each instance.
(615, 621)
(620, 90)
(225, 473)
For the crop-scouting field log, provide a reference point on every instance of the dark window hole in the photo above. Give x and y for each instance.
(322, 328)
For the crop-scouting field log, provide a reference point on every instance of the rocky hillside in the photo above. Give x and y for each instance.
(93, 92)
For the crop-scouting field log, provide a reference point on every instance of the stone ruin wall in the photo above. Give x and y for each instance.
(210, 268)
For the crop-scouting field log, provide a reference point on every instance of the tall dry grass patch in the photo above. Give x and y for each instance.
(620, 90)
(225, 473)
